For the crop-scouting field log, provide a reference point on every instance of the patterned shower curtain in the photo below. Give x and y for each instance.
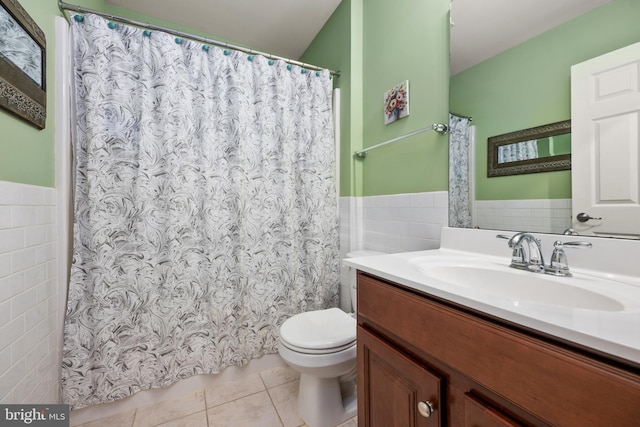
(460, 198)
(524, 150)
(205, 208)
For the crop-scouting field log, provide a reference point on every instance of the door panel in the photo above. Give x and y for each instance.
(605, 159)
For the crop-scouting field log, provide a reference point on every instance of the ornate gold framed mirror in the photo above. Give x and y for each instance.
(539, 149)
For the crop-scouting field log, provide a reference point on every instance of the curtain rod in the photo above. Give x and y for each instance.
(71, 7)
(438, 127)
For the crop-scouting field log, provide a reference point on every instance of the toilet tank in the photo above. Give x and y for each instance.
(353, 273)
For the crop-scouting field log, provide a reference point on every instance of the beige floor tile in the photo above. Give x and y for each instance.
(233, 390)
(163, 412)
(277, 376)
(124, 419)
(353, 422)
(198, 419)
(285, 399)
(251, 411)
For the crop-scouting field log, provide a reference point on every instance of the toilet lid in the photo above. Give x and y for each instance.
(319, 329)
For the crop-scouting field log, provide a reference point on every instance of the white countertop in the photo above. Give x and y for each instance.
(612, 332)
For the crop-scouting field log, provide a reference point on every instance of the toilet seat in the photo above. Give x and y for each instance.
(319, 331)
(317, 350)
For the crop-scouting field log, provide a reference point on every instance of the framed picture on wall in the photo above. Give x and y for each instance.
(22, 64)
(396, 102)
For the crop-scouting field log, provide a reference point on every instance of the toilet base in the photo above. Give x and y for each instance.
(320, 403)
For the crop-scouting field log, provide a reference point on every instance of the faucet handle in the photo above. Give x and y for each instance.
(559, 265)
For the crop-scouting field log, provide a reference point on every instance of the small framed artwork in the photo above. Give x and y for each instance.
(22, 64)
(396, 102)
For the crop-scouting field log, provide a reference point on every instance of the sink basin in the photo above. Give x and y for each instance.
(521, 286)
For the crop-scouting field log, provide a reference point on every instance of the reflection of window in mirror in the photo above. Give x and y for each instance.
(535, 149)
(19, 48)
(524, 150)
(22, 64)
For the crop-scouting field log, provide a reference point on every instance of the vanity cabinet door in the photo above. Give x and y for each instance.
(393, 389)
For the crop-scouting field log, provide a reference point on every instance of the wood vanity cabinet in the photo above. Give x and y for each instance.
(423, 361)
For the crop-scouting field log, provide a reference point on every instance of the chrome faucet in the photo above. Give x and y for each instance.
(527, 254)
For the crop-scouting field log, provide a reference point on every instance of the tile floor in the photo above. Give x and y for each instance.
(266, 399)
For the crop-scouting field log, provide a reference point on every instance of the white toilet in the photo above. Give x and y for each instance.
(321, 345)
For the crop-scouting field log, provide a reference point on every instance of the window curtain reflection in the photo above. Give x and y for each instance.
(524, 150)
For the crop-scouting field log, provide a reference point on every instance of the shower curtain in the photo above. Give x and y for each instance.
(524, 150)
(205, 208)
(459, 180)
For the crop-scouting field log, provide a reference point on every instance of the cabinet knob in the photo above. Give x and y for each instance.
(425, 409)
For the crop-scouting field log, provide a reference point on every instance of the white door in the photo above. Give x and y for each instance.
(605, 141)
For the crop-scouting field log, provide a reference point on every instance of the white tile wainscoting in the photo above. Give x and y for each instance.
(392, 223)
(29, 336)
(536, 215)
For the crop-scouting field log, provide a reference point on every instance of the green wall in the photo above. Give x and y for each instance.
(529, 85)
(333, 48)
(406, 40)
(389, 42)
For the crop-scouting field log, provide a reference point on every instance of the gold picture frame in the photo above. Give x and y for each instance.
(23, 89)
